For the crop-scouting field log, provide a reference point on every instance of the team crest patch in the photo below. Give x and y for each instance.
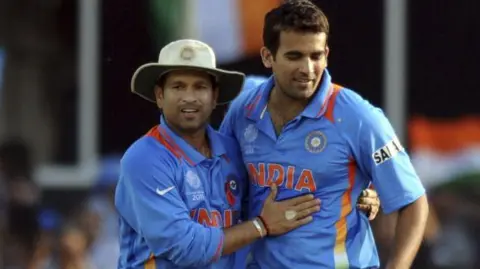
(315, 142)
(192, 179)
(231, 189)
(187, 53)
(250, 133)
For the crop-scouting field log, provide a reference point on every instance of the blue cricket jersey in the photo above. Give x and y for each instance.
(174, 202)
(334, 149)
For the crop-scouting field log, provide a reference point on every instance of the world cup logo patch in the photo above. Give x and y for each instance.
(315, 142)
(250, 133)
(192, 179)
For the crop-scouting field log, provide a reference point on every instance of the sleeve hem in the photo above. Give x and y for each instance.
(219, 248)
(401, 201)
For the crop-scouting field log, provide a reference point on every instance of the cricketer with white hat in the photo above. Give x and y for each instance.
(186, 54)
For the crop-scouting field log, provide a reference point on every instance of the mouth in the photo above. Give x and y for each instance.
(303, 80)
(189, 110)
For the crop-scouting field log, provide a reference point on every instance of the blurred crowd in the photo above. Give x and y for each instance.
(85, 236)
(35, 237)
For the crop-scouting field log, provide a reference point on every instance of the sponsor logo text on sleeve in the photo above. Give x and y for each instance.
(387, 152)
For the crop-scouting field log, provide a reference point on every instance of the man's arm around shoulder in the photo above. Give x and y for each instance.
(147, 197)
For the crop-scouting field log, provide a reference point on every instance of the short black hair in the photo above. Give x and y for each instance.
(294, 15)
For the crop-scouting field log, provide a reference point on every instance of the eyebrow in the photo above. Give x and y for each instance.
(180, 82)
(298, 53)
(176, 82)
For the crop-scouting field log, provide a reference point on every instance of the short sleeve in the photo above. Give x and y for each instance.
(380, 154)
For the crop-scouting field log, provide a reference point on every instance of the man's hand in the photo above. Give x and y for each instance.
(277, 218)
(284, 216)
(369, 203)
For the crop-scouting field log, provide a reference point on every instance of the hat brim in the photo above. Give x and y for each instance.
(230, 83)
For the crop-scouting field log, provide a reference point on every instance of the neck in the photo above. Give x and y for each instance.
(198, 139)
(283, 104)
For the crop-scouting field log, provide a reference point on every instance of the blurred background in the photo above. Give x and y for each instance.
(67, 114)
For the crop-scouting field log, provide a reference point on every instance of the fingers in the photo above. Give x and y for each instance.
(307, 212)
(299, 200)
(369, 209)
(369, 193)
(368, 201)
(373, 213)
(306, 205)
(273, 192)
(364, 208)
(369, 197)
(301, 222)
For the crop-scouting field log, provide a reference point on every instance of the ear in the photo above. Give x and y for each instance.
(159, 96)
(267, 57)
(327, 52)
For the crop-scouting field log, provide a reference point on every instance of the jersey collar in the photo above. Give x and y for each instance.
(256, 108)
(317, 106)
(190, 154)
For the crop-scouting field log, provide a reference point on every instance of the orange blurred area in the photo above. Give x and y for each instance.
(444, 135)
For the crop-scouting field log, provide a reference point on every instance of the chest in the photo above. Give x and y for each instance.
(212, 192)
(308, 157)
(281, 118)
(278, 121)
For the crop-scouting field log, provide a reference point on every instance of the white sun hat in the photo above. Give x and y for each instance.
(186, 54)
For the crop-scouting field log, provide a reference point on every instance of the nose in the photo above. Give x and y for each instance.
(308, 66)
(189, 95)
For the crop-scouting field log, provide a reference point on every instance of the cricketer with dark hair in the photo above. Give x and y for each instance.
(309, 135)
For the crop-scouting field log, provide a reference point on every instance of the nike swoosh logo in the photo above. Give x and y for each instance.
(163, 192)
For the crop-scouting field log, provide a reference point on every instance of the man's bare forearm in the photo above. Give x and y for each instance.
(409, 234)
(241, 235)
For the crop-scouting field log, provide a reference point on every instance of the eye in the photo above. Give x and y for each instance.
(293, 57)
(317, 56)
(202, 87)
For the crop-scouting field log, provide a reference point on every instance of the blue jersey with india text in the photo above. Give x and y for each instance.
(174, 203)
(334, 149)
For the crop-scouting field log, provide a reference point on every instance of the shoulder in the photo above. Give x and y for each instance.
(253, 81)
(146, 152)
(350, 102)
(353, 110)
(230, 144)
(358, 121)
(232, 148)
(247, 96)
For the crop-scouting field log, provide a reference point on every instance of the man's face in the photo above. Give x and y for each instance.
(299, 63)
(187, 99)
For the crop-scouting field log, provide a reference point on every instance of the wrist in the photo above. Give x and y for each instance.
(260, 227)
(264, 223)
